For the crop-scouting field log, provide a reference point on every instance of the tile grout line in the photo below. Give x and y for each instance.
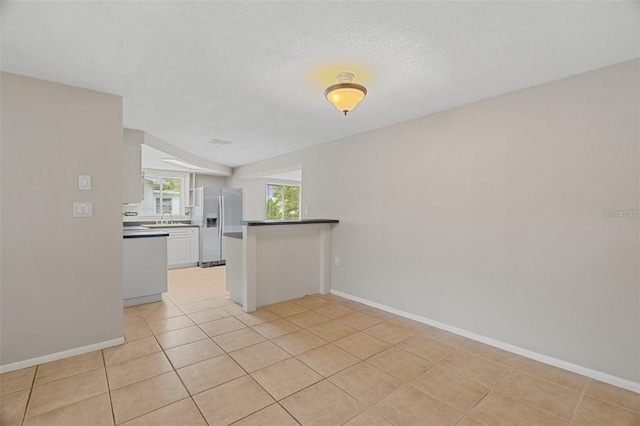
(58, 380)
(491, 388)
(235, 362)
(360, 360)
(288, 412)
(173, 369)
(610, 402)
(366, 408)
(220, 384)
(553, 382)
(582, 394)
(511, 369)
(104, 364)
(548, 381)
(458, 349)
(176, 370)
(615, 404)
(316, 371)
(26, 406)
(291, 356)
(467, 416)
(437, 364)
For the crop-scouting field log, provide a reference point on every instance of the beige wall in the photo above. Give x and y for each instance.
(61, 277)
(488, 217)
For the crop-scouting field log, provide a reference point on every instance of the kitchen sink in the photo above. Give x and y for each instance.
(167, 225)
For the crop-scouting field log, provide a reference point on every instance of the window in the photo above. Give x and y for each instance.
(283, 202)
(164, 192)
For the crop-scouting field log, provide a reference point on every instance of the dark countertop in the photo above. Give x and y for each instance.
(237, 235)
(286, 222)
(142, 232)
(136, 225)
(138, 230)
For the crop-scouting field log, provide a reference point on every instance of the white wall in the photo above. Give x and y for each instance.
(254, 192)
(488, 217)
(210, 180)
(61, 277)
(132, 141)
(166, 147)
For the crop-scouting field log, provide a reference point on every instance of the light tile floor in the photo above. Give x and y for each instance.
(195, 359)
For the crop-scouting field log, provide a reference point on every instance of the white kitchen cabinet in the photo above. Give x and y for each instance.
(195, 245)
(144, 269)
(179, 247)
(191, 196)
(183, 249)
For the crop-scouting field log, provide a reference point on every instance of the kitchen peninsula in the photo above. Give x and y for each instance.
(273, 261)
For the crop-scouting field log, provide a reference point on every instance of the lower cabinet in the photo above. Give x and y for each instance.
(195, 245)
(179, 247)
(144, 269)
(182, 247)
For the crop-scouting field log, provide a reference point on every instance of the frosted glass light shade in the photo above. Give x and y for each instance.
(345, 95)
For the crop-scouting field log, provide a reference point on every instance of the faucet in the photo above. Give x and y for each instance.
(162, 217)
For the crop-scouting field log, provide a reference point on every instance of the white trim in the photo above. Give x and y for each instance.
(184, 192)
(142, 299)
(60, 355)
(176, 266)
(594, 374)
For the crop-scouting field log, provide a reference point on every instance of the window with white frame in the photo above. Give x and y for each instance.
(283, 202)
(164, 192)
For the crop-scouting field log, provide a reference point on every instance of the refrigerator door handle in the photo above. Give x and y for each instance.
(221, 225)
(220, 218)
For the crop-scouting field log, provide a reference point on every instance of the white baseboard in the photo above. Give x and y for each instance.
(594, 374)
(142, 300)
(59, 355)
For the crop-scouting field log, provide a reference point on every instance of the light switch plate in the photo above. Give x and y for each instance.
(82, 209)
(84, 183)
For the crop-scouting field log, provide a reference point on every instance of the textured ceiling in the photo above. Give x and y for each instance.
(253, 73)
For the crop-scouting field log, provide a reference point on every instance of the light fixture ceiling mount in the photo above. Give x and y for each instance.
(345, 95)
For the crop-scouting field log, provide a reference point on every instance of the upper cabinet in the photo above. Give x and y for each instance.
(191, 196)
(132, 166)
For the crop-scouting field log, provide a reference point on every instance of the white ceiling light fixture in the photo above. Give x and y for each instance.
(181, 163)
(345, 95)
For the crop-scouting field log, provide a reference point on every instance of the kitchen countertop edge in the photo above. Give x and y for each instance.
(144, 234)
(237, 235)
(159, 225)
(286, 222)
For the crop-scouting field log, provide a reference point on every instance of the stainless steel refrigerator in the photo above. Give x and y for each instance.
(217, 211)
